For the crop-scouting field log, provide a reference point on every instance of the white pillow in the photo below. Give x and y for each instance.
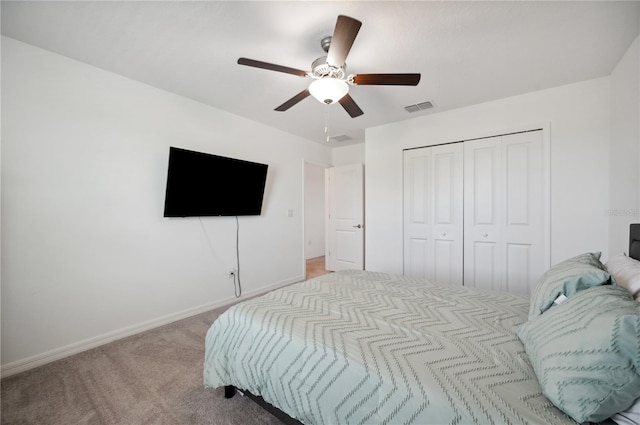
(631, 416)
(626, 272)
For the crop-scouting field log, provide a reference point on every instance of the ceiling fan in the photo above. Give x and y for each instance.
(330, 82)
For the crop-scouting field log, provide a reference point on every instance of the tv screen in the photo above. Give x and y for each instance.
(201, 184)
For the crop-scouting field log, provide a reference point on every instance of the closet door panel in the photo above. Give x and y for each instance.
(484, 271)
(484, 163)
(443, 182)
(418, 183)
(415, 264)
(433, 215)
(417, 220)
(444, 262)
(504, 206)
(483, 257)
(518, 191)
(448, 209)
(523, 231)
(519, 263)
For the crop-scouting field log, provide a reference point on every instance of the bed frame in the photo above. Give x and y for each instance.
(230, 390)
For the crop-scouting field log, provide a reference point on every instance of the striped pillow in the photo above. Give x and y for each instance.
(626, 273)
(567, 278)
(585, 353)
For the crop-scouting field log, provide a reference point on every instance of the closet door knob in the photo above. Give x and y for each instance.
(444, 234)
(485, 235)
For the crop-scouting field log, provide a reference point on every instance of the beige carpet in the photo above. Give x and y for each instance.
(152, 378)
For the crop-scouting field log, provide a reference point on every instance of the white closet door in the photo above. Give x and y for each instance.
(504, 244)
(527, 257)
(417, 227)
(447, 231)
(433, 213)
(482, 185)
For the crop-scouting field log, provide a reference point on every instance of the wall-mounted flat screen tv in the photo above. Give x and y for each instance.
(201, 184)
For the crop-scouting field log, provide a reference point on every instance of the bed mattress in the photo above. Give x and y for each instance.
(357, 347)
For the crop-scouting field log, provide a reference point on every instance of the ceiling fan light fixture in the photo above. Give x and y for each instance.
(328, 90)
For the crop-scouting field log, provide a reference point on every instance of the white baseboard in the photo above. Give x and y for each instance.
(87, 344)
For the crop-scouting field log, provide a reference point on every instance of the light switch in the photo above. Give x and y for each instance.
(289, 213)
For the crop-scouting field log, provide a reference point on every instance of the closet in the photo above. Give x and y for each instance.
(476, 212)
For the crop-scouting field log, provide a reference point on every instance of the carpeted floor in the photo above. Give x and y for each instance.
(151, 378)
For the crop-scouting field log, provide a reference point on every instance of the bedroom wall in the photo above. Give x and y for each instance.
(624, 201)
(86, 254)
(351, 154)
(578, 118)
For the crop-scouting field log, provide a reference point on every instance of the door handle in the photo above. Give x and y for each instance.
(359, 226)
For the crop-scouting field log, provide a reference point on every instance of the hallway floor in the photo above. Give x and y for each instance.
(315, 267)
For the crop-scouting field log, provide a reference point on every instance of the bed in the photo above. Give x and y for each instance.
(361, 347)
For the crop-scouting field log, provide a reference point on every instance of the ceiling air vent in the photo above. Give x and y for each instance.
(419, 107)
(340, 138)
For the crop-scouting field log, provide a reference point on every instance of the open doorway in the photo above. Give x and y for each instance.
(314, 233)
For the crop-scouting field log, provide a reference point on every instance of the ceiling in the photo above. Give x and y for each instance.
(467, 52)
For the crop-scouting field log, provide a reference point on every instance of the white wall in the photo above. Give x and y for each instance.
(350, 154)
(624, 207)
(578, 118)
(86, 253)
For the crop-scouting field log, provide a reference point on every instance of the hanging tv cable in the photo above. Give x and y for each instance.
(236, 278)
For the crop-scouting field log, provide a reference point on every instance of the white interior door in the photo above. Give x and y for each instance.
(345, 217)
(433, 213)
(504, 243)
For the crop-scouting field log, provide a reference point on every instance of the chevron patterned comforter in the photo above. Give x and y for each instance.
(357, 347)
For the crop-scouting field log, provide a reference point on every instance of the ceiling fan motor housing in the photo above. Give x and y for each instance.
(325, 43)
(320, 69)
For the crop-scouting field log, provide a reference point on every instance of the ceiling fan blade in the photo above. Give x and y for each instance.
(271, 67)
(295, 99)
(387, 79)
(343, 37)
(350, 106)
